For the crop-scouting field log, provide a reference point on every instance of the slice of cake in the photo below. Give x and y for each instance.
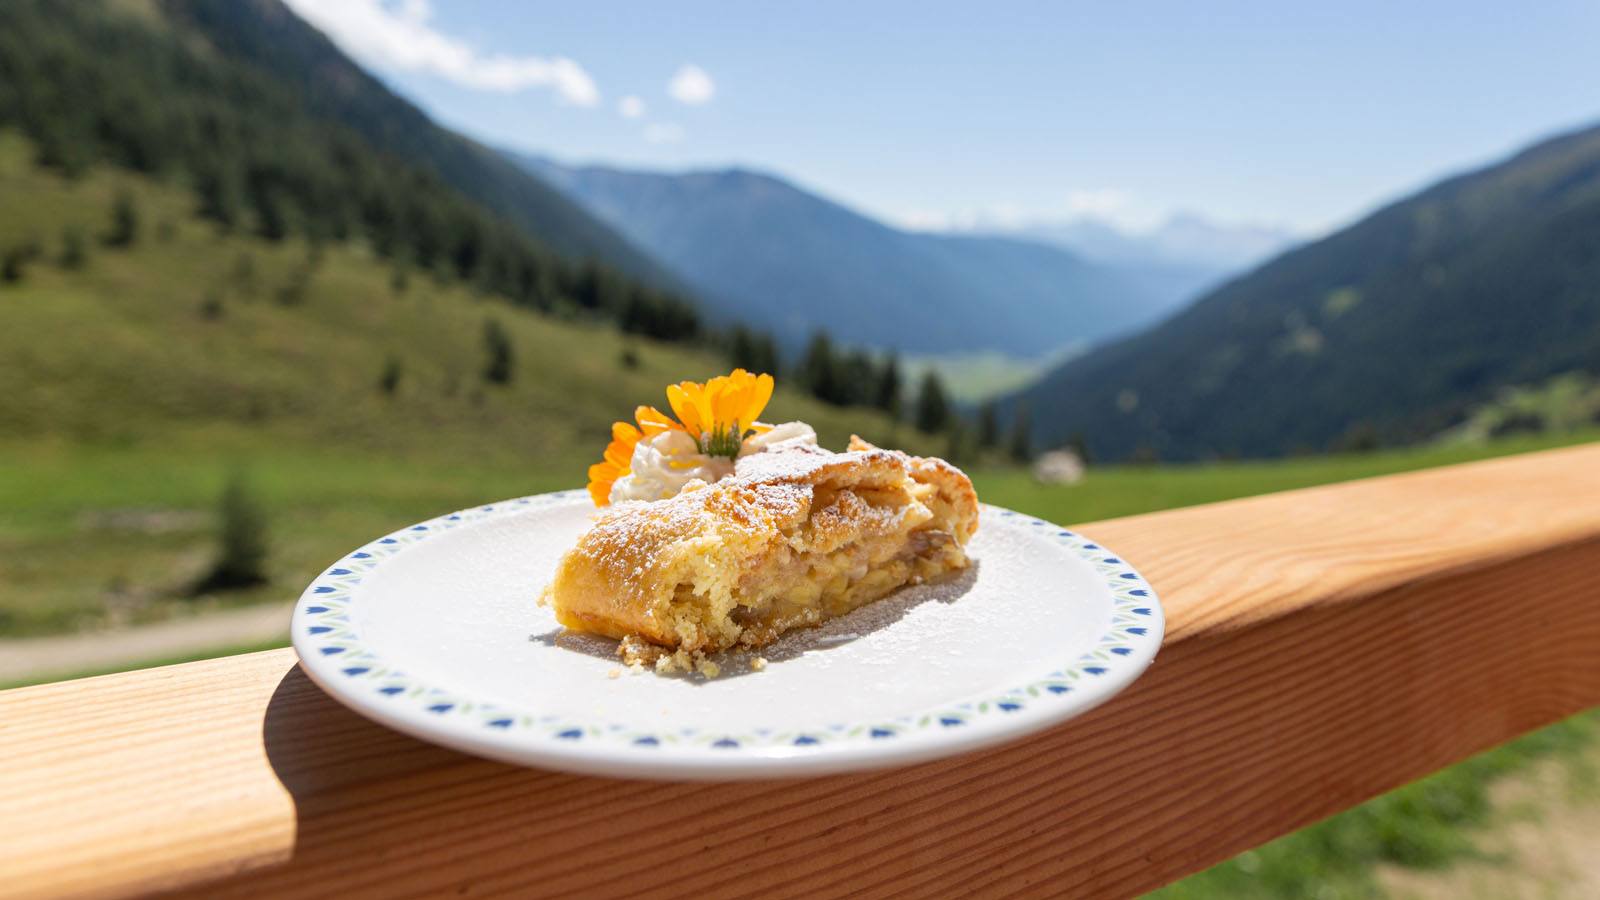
(789, 539)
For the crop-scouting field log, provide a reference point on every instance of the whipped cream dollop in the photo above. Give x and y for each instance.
(664, 465)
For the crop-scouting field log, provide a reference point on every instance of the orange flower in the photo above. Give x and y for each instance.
(718, 415)
(721, 412)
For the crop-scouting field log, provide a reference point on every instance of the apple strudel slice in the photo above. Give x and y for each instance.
(789, 540)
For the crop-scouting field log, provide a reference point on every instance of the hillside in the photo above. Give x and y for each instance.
(266, 35)
(760, 249)
(1389, 330)
(278, 134)
(134, 378)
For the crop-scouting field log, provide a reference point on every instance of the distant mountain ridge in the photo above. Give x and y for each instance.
(758, 249)
(1388, 330)
(1185, 240)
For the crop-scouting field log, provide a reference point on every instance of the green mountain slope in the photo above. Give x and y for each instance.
(1391, 329)
(761, 250)
(134, 378)
(279, 134)
(269, 37)
(191, 328)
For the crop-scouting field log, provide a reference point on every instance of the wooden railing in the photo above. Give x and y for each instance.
(1324, 645)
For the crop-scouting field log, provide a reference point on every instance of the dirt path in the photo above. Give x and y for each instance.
(42, 658)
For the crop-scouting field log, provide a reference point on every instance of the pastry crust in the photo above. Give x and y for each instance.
(791, 539)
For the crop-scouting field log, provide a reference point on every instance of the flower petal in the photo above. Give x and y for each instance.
(620, 454)
(653, 421)
(602, 475)
(761, 395)
(684, 400)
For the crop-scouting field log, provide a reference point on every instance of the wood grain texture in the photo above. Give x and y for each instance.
(1324, 645)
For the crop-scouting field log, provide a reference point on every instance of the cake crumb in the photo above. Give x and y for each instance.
(614, 673)
(759, 664)
(707, 668)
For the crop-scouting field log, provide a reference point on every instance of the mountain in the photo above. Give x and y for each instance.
(277, 133)
(1185, 240)
(1389, 330)
(266, 35)
(759, 249)
(291, 341)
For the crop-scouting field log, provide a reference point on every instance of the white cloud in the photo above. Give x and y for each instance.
(399, 36)
(1109, 206)
(1101, 203)
(663, 133)
(1000, 217)
(691, 85)
(923, 220)
(630, 107)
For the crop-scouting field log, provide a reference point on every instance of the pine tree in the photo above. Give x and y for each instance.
(1079, 445)
(270, 220)
(219, 197)
(1021, 444)
(742, 349)
(988, 425)
(819, 370)
(886, 394)
(73, 252)
(753, 351)
(498, 368)
(766, 355)
(958, 447)
(124, 222)
(933, 406)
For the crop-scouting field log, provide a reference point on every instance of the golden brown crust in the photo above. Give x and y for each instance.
(953, 486)
(672, 571)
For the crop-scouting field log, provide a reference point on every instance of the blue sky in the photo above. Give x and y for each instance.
(949, 113)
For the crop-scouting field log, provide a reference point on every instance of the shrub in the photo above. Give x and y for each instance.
(389, 381)
(12, 265)
(500, 364)
(241, 540)
(293, 291)
(124, 230)
(244, 274)
(74, 252)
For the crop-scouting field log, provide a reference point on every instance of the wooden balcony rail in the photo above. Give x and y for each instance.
(1324, 645)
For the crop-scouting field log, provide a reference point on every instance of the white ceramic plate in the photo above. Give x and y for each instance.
(434, 631)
